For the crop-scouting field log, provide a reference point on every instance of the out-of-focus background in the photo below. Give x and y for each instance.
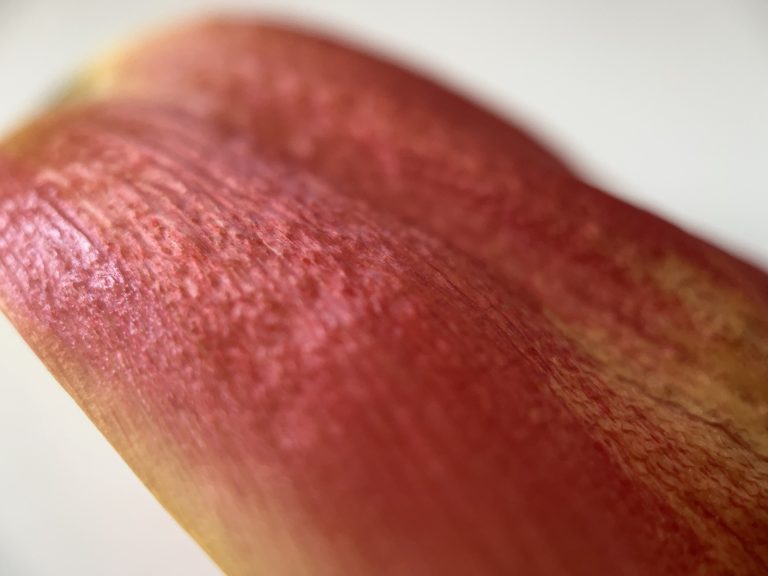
(663, 102)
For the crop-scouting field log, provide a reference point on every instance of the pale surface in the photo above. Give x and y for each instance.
(661, 101)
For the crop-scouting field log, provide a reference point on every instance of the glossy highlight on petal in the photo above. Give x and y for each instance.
(343, 321)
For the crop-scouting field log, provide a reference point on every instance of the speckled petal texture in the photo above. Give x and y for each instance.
(342, 321)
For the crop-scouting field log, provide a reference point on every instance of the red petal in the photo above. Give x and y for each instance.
(341, 320)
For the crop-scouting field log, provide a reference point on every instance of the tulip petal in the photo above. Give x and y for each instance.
(343, 321)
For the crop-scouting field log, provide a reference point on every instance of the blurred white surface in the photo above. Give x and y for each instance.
(662, 102)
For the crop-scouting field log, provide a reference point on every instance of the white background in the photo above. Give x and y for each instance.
(663, 101)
